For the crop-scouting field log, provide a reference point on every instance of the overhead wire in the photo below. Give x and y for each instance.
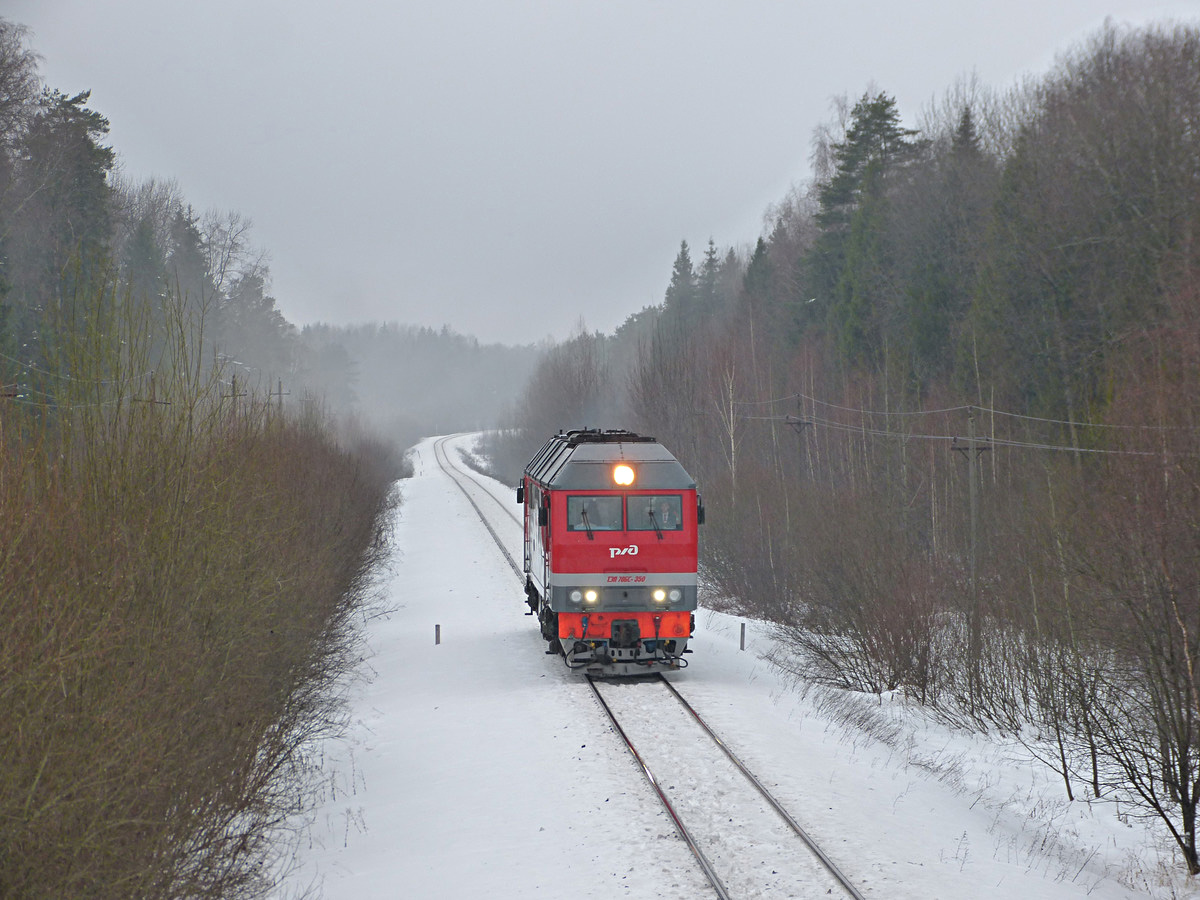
(34, 367)
(864, 429)
(810, 399)
(984, 410)
(1013, 415)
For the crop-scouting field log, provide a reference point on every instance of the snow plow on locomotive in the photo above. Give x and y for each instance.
(611, 525)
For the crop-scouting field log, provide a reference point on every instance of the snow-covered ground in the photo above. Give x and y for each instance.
(481, 767)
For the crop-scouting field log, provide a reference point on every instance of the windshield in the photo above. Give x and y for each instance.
(659, 512)
(594, 513)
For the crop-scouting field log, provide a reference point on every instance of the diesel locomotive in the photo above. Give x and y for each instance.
(611, 527)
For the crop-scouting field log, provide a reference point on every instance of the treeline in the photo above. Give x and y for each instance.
(67, 223)
(944, 412)
(67, 220)
(177, 614)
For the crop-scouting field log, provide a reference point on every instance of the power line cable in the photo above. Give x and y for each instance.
(67, 377)
(1012, 415)
(952, 438)
(986, 410)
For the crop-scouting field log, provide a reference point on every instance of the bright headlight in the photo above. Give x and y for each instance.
(659, 595)
(591, 596)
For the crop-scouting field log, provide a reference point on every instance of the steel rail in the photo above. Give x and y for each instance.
(712, 876)
(812, 845)
(439, 453)
(471, 477)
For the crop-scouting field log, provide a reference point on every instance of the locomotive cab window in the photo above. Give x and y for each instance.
(660, 512)
(594, 514)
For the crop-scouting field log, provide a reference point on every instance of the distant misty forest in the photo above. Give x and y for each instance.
(408, 382)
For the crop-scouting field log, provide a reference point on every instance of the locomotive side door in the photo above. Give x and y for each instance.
(537, 536)
(544, 525)
(524, 496)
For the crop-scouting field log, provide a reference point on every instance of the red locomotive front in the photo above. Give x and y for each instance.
(611, 523)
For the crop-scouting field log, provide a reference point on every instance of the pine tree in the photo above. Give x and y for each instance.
(874, 145)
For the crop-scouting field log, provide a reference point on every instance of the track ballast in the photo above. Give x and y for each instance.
(744, 840)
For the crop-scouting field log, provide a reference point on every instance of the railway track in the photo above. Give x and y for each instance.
(743, 839)
(471, 489)
(746, 843)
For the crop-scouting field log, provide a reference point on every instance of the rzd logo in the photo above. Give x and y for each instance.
(614, 552)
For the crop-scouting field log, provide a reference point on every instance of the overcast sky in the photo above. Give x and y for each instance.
(508, 168)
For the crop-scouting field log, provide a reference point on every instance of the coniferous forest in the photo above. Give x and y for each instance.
(944, 412)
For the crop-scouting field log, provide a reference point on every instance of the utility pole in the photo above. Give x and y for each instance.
(973, 489)
(153, 401)
(972, 451)
(10, 392)
(801, 424)
(233, 392)
(280, 393)
(798, 423)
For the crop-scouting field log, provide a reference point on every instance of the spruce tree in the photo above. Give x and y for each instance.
(59, 234)
(679, 304)
(706, 282)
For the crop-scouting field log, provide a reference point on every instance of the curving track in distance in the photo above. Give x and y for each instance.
(471, 488)
(744, 848)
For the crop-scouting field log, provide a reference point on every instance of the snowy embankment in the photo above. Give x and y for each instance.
(481, 766)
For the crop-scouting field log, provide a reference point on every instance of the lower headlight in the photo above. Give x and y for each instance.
(676, 595)
(591, 596)
(576, 596)
(659, 595)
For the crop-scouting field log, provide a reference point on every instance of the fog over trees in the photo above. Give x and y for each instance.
(66, 215)
(407, 382)
(943, 412)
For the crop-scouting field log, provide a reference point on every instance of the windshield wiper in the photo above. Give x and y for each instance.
(586, 524)
(654, 522)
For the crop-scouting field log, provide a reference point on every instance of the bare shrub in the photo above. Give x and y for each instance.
(180, 572)
(868, 615)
